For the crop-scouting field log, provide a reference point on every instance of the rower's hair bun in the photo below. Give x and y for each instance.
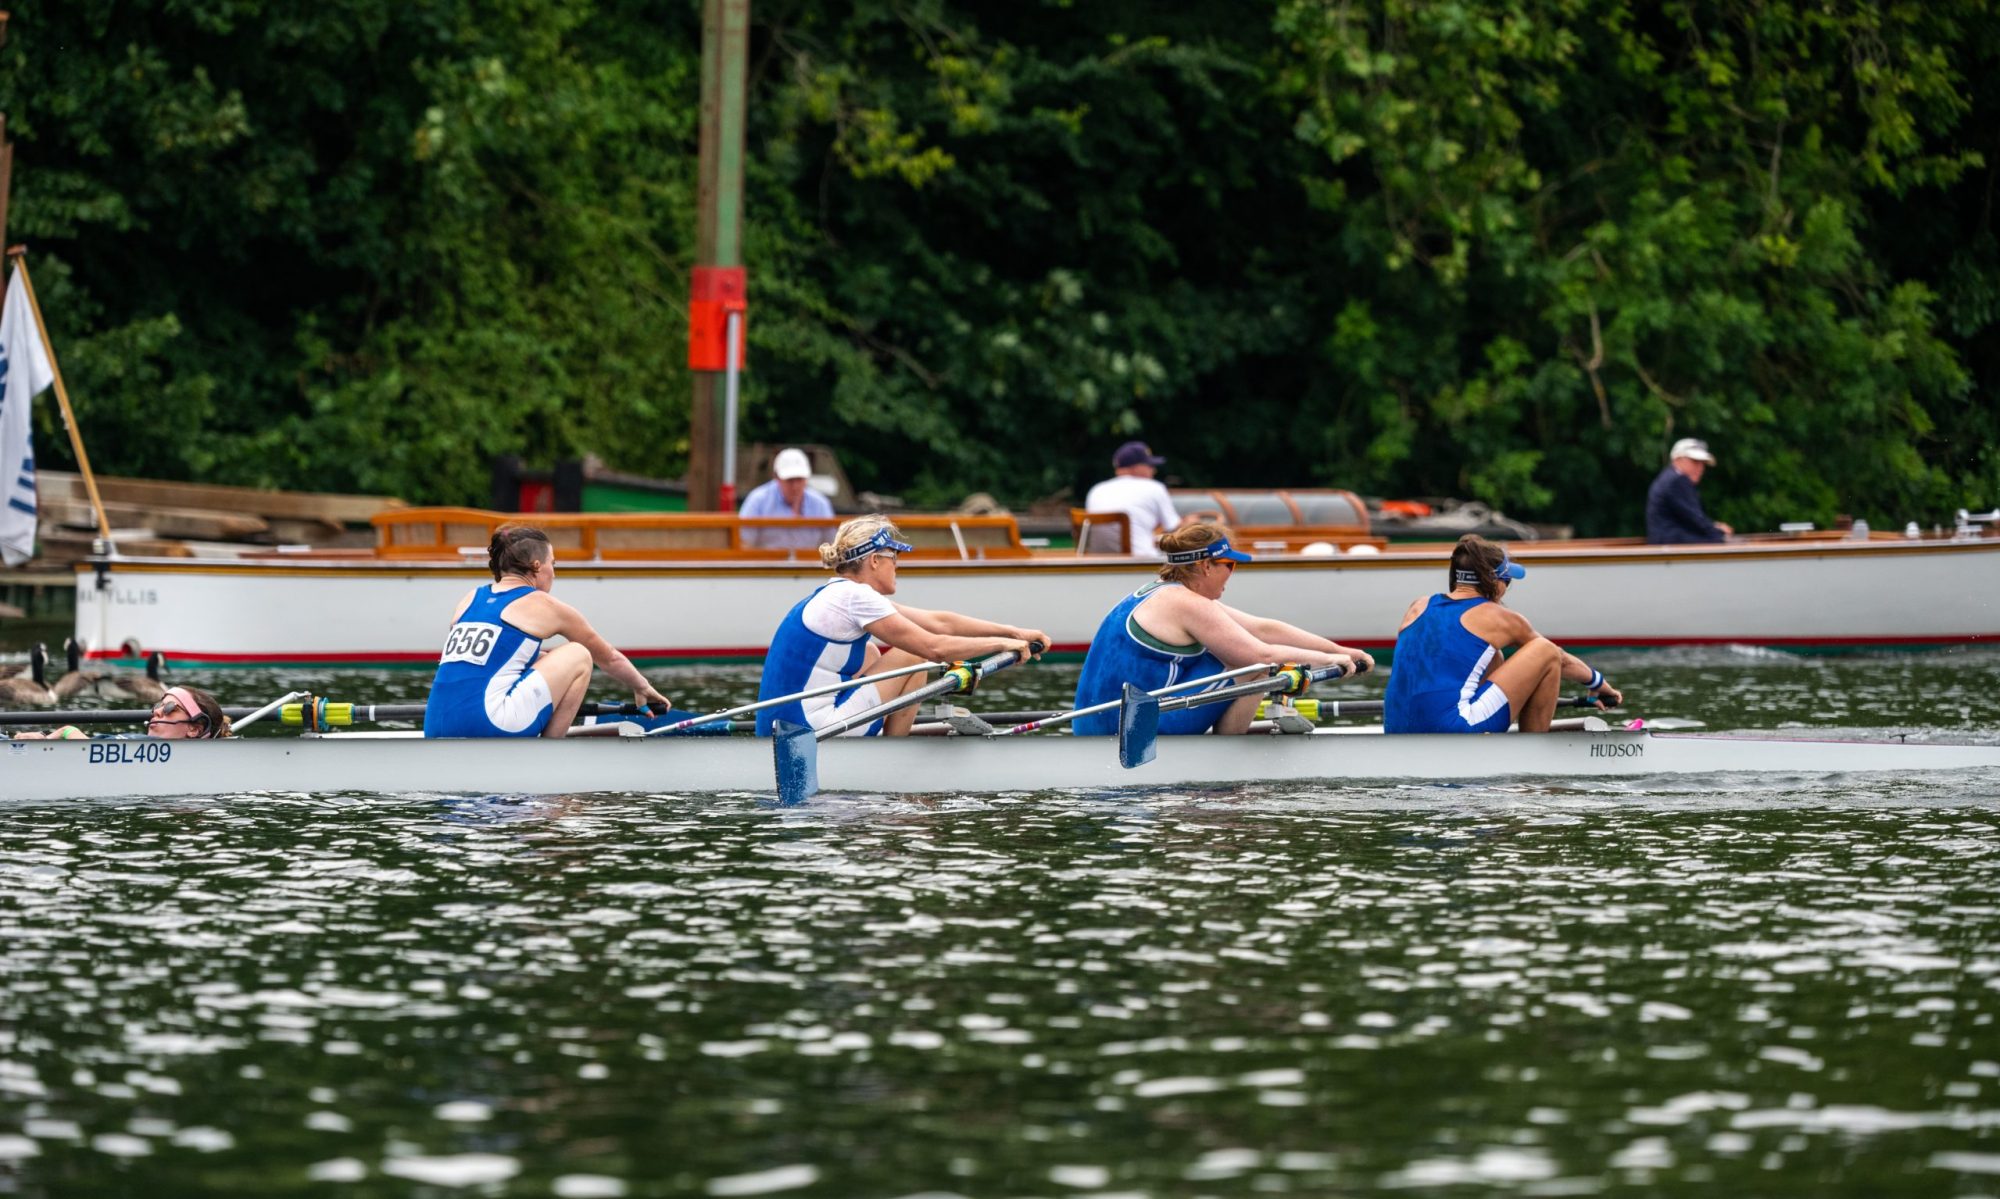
(516, 550)
(859, 531)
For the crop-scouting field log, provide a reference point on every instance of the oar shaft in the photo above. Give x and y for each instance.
(1262, 686)
(290, 712)
(266, 710)
(1206, 680)
(952, 682)
(1330, 708)
(809, 693)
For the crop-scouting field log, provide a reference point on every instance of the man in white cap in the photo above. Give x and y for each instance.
(1673, 508)
(788, 494)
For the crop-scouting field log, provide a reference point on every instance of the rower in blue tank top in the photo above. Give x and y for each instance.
(1178, 628)
(494, 679)
(828, 637)
(1448, 675)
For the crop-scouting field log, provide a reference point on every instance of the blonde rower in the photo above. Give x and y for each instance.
(828, 636)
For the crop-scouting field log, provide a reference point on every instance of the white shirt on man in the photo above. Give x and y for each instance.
(1144, 502)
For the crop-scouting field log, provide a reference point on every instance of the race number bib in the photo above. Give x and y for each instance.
(470, 642)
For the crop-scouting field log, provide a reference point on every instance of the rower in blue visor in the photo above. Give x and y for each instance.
(1177, 629)
(1449, 674)
(829, 637)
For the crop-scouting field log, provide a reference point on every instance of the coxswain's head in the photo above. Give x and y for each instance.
(524, 552)
(187, 712)
(865, 549)
(1200, 558)
(1479, 564)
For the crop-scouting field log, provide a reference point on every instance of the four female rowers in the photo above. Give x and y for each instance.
(1452, 675)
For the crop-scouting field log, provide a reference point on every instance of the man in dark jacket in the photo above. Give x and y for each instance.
(1673, 509)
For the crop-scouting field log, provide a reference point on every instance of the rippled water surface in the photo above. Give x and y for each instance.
(1786, 989)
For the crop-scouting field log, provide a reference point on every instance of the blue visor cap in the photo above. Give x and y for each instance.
(1508, 571)
(1214, 549)
(874, 545)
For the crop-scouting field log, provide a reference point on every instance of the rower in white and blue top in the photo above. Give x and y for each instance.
(494, 679)
(828, 637)
(1449, 676)
(1178, 629)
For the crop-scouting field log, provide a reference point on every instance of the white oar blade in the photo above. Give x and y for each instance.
(796, 751)
(1138, 728)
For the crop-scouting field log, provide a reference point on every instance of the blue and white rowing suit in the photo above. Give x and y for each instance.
(1122, 652)
(485, 686)
(823, 640)
(1437, 682)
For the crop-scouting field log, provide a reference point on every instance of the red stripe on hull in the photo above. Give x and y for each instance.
(756, 653)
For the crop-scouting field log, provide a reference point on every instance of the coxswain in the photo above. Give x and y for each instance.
(1449, 674)
(1177, 629)
(494, 679)
(183, 713)
(828, 637)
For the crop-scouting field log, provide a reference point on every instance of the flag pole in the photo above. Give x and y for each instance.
(20, 256)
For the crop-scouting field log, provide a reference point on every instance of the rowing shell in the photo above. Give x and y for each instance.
(406, 762)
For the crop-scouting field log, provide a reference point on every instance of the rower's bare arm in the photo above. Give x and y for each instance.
(1278, 633)
(935, 645)
(957, 624)
(1576, 670)
(573, 625)
(1214, 626)
(1499, 625)
(1415, 610)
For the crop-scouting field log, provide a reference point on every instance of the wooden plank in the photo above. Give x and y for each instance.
(62, 545)
(155, 493)
(205, 524)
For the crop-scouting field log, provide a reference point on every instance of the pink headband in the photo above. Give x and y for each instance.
(185, 698)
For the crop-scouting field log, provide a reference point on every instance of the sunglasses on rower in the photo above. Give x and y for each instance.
(168, 709)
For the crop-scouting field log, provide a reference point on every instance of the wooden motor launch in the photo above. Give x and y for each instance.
(1793, 593)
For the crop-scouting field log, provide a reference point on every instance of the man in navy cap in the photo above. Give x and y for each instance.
(1673, 509)
(1134, 491)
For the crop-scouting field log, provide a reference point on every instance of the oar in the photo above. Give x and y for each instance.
(327, 712)
(1139, 713)
(795, 747)
(1207, 680)
(809, 693)
(236, 725)
(1327, 709)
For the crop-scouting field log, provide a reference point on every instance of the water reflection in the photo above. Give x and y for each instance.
(1530, 989)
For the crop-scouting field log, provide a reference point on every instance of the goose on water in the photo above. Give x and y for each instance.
(33, 691)
(109, 684)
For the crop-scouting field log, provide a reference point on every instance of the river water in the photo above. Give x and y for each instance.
(1693, 989)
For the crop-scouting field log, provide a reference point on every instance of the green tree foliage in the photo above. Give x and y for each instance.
(1490, 248)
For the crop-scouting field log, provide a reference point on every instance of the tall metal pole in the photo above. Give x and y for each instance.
(725, 44)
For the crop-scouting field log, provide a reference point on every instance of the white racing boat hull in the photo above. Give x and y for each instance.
(402, 763)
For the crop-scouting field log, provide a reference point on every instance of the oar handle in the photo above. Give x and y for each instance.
(1289, 680)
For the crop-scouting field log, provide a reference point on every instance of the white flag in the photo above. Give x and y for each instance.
(24, 374)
